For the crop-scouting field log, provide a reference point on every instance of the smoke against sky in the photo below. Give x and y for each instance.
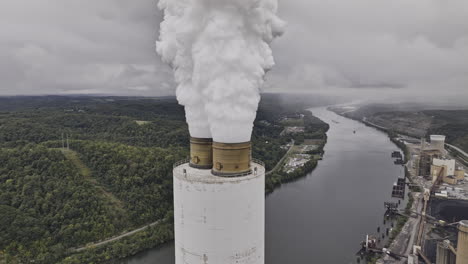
(368, 46)
(219, 50)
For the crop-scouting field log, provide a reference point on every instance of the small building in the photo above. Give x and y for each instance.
(450, 179)
(292, 130)
(460, 174)
(446, 169)
(296, 161)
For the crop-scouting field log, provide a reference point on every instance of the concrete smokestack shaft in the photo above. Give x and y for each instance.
(219, 220)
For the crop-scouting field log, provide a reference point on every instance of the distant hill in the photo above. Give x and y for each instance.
(418, 121)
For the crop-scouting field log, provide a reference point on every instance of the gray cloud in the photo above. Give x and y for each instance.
(76, 46)
(333, 46)
(418, 45)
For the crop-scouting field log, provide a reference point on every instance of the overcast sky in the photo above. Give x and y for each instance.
(331, 46)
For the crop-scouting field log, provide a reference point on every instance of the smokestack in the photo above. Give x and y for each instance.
(462, 244)
(201, 153)
(219, 51)
(231, 159)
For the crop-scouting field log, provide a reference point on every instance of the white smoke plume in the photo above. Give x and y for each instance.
(219, 50)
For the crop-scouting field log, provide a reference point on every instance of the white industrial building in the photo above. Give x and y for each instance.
(449, 163)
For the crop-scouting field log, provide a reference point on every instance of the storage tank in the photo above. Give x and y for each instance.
(462, 244)
(438, 142)
(443, 254)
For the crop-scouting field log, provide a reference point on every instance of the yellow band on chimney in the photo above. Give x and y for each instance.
(201, 153)
(231, 159)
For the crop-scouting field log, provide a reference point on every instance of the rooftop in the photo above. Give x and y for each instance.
(198, 175)
(464, 223)
(437, 137)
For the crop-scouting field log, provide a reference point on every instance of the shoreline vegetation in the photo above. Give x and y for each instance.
(314, 130)
(117, 175)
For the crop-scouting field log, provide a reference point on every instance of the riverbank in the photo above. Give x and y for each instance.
(307, 148)
(276, 178)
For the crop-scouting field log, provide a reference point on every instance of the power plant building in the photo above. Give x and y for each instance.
(448, 163)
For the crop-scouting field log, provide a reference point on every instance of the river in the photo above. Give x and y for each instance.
(323, 217)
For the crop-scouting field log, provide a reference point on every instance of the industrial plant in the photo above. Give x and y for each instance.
(439, 232)
(439, 168)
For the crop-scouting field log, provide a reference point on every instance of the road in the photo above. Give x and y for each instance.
(92, 245)
(458, 149)
(403, 243)
(412, 230)
(462, 158)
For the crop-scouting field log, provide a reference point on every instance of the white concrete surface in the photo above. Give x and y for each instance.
(219, 220)
(438, 142)
(450, 163)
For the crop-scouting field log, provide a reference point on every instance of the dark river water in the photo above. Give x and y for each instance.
(322, 218)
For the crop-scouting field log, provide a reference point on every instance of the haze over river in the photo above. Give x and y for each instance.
(322, 218)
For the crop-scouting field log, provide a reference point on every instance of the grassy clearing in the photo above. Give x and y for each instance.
(293, 122)
(141, 123)
(82, 168)
(87, 174)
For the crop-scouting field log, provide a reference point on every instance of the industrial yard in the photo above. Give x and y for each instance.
(436, 179)
(299, 155)
(303, 153)
(440, 199)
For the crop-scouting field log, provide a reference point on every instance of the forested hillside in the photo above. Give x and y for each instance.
(46, 206)
(116, 175)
